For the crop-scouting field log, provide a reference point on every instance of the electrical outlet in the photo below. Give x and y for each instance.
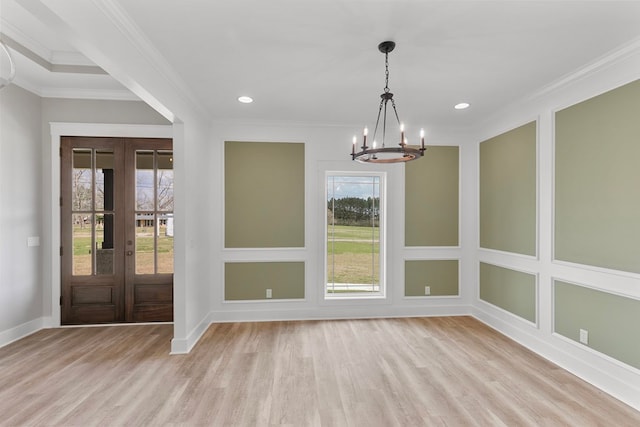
(269, 293)
(427, 290)
(584, 336)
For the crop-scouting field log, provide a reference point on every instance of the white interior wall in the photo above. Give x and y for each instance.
(193, 252)
(328, 148)
(616, 378)
(21, 274)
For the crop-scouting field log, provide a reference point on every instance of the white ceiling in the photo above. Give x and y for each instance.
(316, 61)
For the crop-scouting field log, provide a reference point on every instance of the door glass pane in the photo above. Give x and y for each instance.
(81, 235)
(145, 244)
(104, 180)
(154, 212)
(165, 243)
(81, 183)
(165, 181)
(104, 243)
(144, 181)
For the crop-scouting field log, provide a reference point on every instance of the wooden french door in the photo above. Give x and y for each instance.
(117, 230)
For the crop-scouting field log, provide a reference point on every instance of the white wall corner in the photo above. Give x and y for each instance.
(184, 345)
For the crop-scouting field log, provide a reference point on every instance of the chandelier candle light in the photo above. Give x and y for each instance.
(384, 154)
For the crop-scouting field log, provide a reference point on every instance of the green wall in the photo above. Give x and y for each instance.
(250, 280)
(440, 275)
(597, 177)
(508, 289)
(264, 194)
(508, 191)
(431, 198)
(611, 320)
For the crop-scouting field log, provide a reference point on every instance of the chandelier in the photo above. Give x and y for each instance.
(401, 152)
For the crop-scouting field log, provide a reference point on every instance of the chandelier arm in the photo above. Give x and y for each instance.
(384, 123)
(393, 104)
(375, 130)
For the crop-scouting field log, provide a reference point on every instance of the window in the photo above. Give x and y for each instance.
(354, 235)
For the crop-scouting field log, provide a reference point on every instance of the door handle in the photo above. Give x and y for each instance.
(129, 253)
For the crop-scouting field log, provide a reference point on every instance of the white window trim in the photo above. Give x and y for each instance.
(382, 293)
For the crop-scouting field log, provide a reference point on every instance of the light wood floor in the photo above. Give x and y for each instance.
(391, 372)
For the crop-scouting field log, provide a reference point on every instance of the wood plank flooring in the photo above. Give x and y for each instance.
(450, 371)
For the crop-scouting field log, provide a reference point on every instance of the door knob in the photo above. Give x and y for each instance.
(129, 253)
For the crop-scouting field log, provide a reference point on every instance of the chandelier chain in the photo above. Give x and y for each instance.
(386, 73)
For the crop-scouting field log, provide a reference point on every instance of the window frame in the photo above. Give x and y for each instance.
(382, 240)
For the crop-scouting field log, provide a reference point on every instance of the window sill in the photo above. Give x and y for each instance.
(353, 296)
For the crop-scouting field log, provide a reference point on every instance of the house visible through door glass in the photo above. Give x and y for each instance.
(154, 212)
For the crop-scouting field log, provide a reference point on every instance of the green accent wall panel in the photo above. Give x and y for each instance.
(264, 194)
(508, 191)
(597, 176)
(440, 275)
(250, 280)
(432, 199)
(611, 320)
(511, 290)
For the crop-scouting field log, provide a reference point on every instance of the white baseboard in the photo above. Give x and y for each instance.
(609, 375)
(266, 315)
(10, 335)
(184, 345)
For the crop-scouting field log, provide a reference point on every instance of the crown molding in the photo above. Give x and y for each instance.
(73, 62)
(96, 94)
(617, 56)
(46, 57)
(612, 57)
(26, 85)
(59, 57)
(76, 93)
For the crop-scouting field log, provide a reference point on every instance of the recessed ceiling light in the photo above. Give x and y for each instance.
(461, 106)
(245, 99)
